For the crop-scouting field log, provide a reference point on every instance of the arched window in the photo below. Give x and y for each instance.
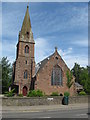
(26, 49)
(56, 78)
(25, 74)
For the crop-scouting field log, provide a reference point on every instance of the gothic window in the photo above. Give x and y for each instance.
(26, 49)
(25, 74)
(56, 78)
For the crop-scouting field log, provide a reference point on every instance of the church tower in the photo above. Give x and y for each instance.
(24, 65)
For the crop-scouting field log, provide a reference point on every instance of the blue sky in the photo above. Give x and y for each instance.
(64, 25)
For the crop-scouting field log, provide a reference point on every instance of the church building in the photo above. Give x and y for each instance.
(48, 75)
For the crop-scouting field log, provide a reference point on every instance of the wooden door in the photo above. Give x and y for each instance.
(24, 91)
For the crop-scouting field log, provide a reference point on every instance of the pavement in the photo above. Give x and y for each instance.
(41, 108)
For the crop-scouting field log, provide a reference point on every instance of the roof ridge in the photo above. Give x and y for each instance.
(45, 58)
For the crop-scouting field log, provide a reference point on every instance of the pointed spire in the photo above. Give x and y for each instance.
(26, 26)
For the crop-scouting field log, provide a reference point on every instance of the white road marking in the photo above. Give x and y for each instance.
(81, 114)
(30, 111)
(44, 117)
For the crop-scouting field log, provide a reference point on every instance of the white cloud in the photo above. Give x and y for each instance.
(9, 50)
(80, 16)
(42, 49)
(70, 58)
(11, 58)
(65, 52)
(73, 18)
(83, 43)
(82, 60)
(11, 22)
(8, 47)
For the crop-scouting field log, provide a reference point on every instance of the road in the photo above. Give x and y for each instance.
(75, 113)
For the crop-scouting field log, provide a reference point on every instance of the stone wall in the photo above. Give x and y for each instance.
(26, 101)
(79, 99)
(44, 76)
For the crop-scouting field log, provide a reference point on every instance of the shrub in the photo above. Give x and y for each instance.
(54, 94)
(66, 94)
(39, 93)
(82, 93)
(10, 93)
(20, 95)
(35, 93)
(31, 93)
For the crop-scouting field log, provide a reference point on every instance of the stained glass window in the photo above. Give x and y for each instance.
(56, 78)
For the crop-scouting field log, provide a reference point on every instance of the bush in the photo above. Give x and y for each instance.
(35, 93)
(10, 93)
(54, 94)
(31, 93)
(20, 95)
(39, 93)
(82, 93)
(66, 94)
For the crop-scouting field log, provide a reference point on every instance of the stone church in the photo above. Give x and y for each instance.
(48, 75)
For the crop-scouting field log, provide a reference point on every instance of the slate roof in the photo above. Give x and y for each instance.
(41, 64)
(78, 85)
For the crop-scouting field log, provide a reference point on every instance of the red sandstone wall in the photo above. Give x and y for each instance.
(21, 65)
(43, 81)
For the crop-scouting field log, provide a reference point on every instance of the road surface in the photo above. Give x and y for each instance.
(75, 113)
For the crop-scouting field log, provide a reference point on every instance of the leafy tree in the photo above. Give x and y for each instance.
(88, 87)
(6, 74)
(69, 79)
(10, 93)
(82, 76)
(76, 72)
(88, 82)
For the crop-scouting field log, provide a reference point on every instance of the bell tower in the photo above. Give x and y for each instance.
(25, 63)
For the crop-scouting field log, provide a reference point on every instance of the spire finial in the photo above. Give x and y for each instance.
(28, 5)
(55, 49)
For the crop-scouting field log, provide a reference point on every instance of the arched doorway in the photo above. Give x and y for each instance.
(24, 91)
